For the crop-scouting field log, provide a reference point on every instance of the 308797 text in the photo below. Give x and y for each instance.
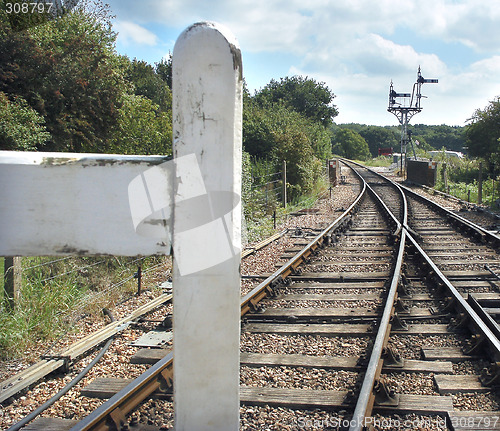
(25, 7)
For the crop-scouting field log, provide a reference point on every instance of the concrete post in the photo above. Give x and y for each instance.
(207, 109)
(283, 184)
(445, 176)
(480, 185)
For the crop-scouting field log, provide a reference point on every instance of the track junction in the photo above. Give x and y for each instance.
(385, 317)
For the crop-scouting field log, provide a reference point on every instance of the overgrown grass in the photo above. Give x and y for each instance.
(379, 161)
(260, 220)
(53, 296)
(463, 177)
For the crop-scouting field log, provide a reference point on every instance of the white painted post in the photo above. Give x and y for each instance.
(207, 108)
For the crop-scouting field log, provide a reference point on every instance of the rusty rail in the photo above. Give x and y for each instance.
(111, 415)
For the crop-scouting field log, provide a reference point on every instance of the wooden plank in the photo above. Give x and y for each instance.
(312, 313)
(333, 362)
(379, 284)
(486, 296)
(454, 274)
(324, 399)
(452, 354)
(338, 362)
(207, 93)
(149, 356)
(424, 329)
(330, 330)
(415, 366)
(329, 297)
(455, 383)
(359, 263)
(292, 397)
(56, 204)
(50, 424)
(451, 261)
(473, 420)
(419, 404)
(104, 387)
(485, 253)
(338, 276)
(327, 330)
(334, 312)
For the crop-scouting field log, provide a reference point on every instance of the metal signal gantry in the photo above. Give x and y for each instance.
(404, 112)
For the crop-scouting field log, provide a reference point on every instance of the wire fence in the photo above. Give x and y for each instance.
(81, 285)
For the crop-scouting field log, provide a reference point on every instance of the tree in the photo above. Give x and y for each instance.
(164, 70)
(350, 144)
(68, 72)
(378, 137)
(142, 128)
(149, 83)
(483, 134)
(21, 127)
(304, 95)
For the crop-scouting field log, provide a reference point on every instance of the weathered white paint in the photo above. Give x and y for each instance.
(207, 105)
(62, 203)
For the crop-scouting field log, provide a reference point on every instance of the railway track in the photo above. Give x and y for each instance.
(381, 319)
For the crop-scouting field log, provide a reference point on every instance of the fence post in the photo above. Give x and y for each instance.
(11, 281)
(207, 110)
(283, 186)
(480, 184)
(445, 176)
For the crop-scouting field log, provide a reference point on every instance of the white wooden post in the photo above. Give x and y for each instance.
(207, 108)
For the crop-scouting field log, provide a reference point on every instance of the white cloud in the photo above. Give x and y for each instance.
(352, 45)
(129, 32)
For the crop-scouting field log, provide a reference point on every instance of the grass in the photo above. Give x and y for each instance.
(379, 161)
(56, 292)
(260, 222)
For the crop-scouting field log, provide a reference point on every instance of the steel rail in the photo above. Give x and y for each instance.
(366, 397)
(489, 335)
(40, 369)
(489, 236)
(250, 300)
(474, 319)
(111, 415)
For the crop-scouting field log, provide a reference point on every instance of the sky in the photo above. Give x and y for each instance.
(355, 47)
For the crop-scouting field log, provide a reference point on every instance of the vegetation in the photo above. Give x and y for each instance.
(483, 135)
(289, 121)
(429, 137)
(67, 76)
(56, 293)
(350, 144)
(63, 87)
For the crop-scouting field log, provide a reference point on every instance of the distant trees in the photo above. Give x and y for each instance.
(378, 137)
(350, 144)
(430, 137)
(483, 133)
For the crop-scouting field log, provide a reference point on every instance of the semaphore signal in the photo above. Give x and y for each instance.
(404, 112)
